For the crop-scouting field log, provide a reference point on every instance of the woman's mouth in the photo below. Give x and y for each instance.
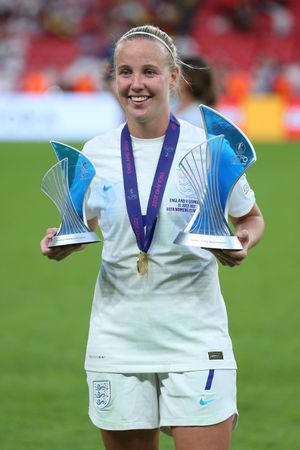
(138, 98)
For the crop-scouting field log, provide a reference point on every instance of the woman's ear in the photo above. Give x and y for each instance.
(174, 78)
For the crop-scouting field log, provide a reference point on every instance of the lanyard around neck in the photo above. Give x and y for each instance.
(144, 229)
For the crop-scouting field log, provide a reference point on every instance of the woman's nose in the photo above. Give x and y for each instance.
(137, 82)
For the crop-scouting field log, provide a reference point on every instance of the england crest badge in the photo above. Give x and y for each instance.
(101, 393)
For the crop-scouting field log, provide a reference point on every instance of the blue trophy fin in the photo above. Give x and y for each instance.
(80, 173)
(237, 154)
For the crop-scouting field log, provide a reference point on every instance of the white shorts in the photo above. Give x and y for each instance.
(144, 401)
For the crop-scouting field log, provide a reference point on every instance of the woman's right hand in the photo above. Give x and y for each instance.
(57, 253)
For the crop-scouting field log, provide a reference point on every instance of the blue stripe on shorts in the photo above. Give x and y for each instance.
(210, 378)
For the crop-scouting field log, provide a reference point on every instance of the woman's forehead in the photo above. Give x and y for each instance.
(140, 49)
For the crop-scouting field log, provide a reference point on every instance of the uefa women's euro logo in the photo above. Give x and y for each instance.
(240, 154)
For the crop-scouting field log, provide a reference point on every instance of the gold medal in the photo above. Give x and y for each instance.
(142, 263)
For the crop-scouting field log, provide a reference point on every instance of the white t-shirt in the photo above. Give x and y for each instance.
(174, 317)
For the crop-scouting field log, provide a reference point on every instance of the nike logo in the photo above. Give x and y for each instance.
(106, 187)
(205, 402)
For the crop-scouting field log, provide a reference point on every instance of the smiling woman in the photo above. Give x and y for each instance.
(159, 354)
(144, 82)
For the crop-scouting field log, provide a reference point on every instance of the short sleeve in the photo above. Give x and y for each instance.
(242, 198)
(91, 205)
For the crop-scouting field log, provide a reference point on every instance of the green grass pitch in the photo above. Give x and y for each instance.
(45, 309)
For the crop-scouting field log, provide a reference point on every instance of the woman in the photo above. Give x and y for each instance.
(158, 353)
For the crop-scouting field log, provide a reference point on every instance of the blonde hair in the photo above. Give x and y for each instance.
(152, 32)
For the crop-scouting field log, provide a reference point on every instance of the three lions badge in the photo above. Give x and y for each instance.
(101, 393)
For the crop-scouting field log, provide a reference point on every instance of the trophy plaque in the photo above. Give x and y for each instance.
(212, 169)
(66, 184)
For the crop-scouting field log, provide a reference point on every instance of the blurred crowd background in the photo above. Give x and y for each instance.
(48, 45)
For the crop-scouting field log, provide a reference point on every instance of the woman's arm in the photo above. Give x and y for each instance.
(249, 229)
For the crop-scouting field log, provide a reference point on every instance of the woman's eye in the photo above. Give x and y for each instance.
(124, 72)
(149, 72)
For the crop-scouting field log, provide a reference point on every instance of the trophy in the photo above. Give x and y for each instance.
(66, 184)
(212, 169)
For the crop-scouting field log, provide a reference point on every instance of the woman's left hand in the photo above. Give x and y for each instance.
(234, 258)
(249, 229)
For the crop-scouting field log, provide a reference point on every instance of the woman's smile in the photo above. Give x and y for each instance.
(138, 99)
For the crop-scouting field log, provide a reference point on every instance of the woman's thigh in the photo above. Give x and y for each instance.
(212, 437)
(131, 439)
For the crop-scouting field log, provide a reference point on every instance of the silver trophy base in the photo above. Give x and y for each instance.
(76, 238)
(208, 241)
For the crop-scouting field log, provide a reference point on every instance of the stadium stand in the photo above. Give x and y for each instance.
(253, 44)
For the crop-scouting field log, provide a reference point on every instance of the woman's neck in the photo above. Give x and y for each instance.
(148, 130)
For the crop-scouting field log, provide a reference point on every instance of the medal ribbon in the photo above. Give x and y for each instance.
(144, 230)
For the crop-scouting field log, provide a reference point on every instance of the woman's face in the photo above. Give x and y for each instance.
(143, 80)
